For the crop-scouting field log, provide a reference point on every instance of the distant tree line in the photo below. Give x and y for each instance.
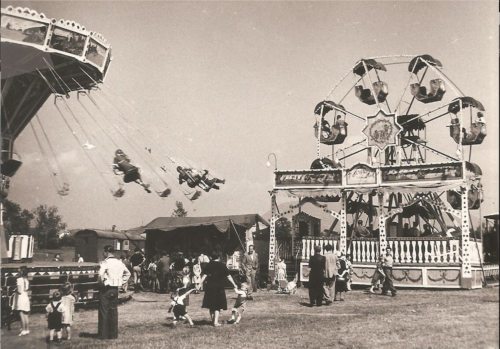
(44, 223)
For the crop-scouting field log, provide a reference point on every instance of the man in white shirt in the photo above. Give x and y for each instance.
(112, 275)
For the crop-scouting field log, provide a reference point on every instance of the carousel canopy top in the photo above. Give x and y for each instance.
(221, 223)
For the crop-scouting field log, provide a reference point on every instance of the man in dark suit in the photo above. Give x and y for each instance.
(316, 277)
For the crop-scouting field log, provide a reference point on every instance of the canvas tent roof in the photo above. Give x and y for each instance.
(108, 234)
(221, 223)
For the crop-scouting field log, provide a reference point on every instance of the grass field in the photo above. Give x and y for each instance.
(413, 319)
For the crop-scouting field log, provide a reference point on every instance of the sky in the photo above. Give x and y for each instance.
(220, 85)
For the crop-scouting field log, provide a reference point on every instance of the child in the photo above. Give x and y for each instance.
(239, 305)
(342, 277)
(349, 271)
(197, 277)
(54, 316)
(178, 307)
(68, 308)
(378, 275)
(153, 277)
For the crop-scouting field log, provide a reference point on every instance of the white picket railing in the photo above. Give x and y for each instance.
(405, 251)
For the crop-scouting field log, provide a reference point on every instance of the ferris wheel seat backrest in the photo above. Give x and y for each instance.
(366, 96)
(474, 198)
(474, 136)
(336, 135)
(437, 90)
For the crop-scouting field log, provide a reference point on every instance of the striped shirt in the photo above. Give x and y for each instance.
(113, 272)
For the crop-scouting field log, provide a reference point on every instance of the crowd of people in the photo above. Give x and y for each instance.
(330, 276)
(329, 280)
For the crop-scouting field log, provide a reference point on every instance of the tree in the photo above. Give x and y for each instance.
(179, 211)
(283, 228)
(48, 223)
(17, 220)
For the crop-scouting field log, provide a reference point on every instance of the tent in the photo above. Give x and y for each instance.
(193, 235)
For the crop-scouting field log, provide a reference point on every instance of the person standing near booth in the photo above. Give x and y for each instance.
(250, 265)
(112, 275)
(316, 277)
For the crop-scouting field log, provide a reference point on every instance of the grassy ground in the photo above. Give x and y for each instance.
(413, 319)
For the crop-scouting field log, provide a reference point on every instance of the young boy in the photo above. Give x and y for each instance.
(54, 316)
(239, 305)
(378, 275)
(178, 307)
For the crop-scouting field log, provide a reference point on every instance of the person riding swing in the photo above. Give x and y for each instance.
(122, 165)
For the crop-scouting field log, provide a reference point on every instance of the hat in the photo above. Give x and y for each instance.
(317, 248)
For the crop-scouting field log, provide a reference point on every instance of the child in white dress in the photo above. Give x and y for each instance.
(68, 308)
(22, 300)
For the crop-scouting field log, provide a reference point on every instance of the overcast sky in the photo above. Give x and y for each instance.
(220, 85)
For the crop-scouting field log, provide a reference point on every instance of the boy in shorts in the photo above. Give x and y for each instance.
(178, 307)
(240, 304)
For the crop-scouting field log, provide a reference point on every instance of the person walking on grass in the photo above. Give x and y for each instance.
(216, 274)
(250, 265)
(178, 307)
(22, 300)
(239, 305)
(387, 268)
(378, 276)
(112, 275)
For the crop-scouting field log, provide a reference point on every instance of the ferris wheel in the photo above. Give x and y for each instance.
(401, 111)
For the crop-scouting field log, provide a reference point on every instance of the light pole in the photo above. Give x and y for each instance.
(268, 163)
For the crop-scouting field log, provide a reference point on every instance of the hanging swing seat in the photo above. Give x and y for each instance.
(436, 91)
(165, 193)
(10, 167)
(195, 196)
(366, 96)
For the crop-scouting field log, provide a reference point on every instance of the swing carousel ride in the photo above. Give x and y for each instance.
(44, 57)
(395, 141)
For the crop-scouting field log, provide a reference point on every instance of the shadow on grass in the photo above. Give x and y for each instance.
(306, 304)
(88, 335)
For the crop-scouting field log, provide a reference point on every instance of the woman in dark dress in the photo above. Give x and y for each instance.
(216, 274)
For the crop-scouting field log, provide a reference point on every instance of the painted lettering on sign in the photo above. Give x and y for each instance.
(361, 174)
(333, 177)
(439, 172)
